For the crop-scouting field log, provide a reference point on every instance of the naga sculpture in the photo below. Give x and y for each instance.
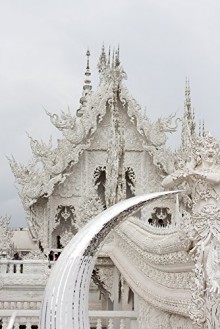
(201, 223)
(52, 160)
(33, 182)
(157, 133)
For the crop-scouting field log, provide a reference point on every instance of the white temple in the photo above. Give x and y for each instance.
(160, 268)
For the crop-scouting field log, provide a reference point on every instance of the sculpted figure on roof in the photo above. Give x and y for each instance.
(157, 134)
(202, 175)
(53, 160)
(71, 127)
(33, 182)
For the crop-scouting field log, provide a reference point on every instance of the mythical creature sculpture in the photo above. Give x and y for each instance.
(158, 130)
(29, 179)
(156, 136)
(53, 161)
(202, 176)
(70, 126)
(33, 182)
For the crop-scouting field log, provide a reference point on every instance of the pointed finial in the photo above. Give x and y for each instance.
(188, 124)
(88, 54)
(109, 55)
(87, 86)
(203, 128)
(199, 128)
(87, 74)
(187, 95)
(102, 60)
(117, 60)
(189, 114)
(113, 58)
(193, 129)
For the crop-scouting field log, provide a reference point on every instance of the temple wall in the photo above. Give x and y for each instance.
(154, 318)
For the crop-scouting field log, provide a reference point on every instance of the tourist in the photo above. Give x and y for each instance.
(17, 257)
(51, 258)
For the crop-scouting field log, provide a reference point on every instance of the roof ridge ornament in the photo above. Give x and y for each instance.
(102, 63)
(87, 85)
(117, 59)
(110, 69)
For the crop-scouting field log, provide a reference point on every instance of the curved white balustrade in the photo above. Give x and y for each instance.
(65, 302)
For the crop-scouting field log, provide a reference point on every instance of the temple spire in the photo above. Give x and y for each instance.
(113, 59)
(109, 66)
(87, 87)
(187, 96)
(117, 60)
(109, 56)
(188, 127)
(102, 60)
(203, 128)
(199, 128)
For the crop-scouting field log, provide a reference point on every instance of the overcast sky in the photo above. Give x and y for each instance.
(42, 64)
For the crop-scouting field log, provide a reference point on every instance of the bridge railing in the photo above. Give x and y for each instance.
(113, 319)
(25, 266)
(98, 319)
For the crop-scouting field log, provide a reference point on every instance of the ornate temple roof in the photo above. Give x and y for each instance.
(78, 130)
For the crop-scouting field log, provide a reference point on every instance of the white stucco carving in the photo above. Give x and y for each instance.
(6, 235)
(202, 176)
(65, 303)
(168, 255)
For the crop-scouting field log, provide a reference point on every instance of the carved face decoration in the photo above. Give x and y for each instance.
(210, 155)
(64, 214)
(210, 151)
(208, 148)
(160, 215)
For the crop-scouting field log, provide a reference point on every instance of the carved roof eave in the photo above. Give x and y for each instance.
(77, 132)
(93, 113)
(134, 112)
(153, 134)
